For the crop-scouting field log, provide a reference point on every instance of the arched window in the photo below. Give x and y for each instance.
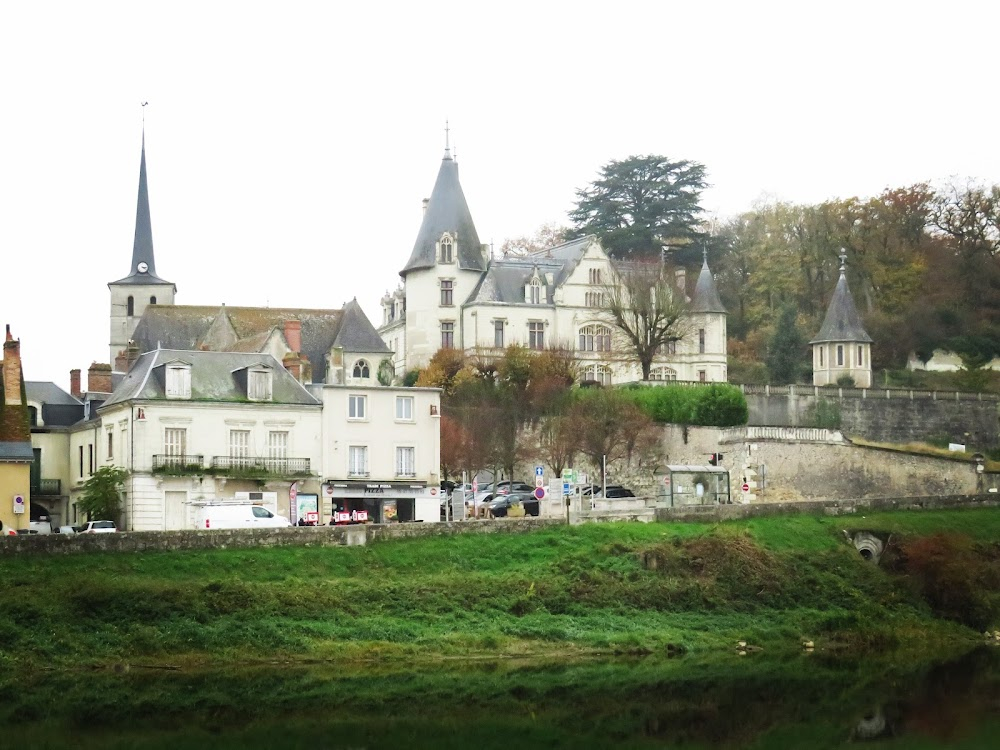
(447, 249)
(595, 338)
(662, 373)
(536, 292)
(598, 374)
(361, 369)
(130, 306)
(152, 300)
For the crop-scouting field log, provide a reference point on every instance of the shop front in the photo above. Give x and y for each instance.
(381, 502)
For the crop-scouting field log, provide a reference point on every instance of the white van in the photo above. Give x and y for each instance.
(237, 516)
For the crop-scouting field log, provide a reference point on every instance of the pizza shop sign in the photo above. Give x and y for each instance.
(377, 489)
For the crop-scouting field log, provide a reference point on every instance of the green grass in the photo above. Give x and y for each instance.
(610, 588)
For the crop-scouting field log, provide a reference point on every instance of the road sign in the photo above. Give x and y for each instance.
(475, 485)
(565, 488)
(746, 487)
(540, 493)
(539, 471)
(539, 481)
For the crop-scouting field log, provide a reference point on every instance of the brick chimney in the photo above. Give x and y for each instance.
(74, 383)
(293, 335)
(11, 370)
(127, 357)
(293, 363)
(99, 378)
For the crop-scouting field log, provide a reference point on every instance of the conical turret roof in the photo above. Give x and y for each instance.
(447, 211)
(706, 296)
(143, 270)
(842, 322)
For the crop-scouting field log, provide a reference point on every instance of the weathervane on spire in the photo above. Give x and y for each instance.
(143, 105)
(843, 261)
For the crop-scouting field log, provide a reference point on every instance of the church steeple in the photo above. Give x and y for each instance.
(131, 294)
(842, 348)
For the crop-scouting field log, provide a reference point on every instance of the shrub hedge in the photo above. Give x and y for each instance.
(715, 405)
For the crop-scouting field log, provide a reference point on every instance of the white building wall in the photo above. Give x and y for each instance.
(424, 311)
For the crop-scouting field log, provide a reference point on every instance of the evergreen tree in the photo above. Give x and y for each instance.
(786, 350)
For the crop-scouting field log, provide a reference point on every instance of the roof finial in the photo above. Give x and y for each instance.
(843, 261)
(143, 105)
(704, 256)
(447, 141)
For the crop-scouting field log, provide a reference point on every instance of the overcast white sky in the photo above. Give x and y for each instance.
(289, 144)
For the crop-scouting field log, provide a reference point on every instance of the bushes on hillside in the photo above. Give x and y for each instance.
(716, 405)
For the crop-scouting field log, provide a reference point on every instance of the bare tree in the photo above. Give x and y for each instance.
(646, 309)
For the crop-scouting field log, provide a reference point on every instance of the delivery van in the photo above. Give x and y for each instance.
(237, 516)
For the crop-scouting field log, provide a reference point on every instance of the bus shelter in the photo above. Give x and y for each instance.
(690, 484)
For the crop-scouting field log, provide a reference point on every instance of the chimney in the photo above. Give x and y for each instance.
(425, 202)
(293, 363)
(99, 378)
(680, 280)
(127, 357)
(74, 383)
(11, 370)
(293, 335)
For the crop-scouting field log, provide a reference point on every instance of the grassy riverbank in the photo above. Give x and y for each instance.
(559, 592)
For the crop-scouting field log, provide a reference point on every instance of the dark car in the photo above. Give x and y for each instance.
(500, 505)
(505, 487)
(614, 492)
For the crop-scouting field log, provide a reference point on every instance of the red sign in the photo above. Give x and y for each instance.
(293, 492)
(475, 485)
(540, 492)
(746, 487)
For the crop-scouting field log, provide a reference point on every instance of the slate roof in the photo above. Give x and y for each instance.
(16, 451)
(214, 377)
(187, 327)
(142, 245)
(706, 296)
(842, 322)
(447, 211)
(47, 392)
(505, 279)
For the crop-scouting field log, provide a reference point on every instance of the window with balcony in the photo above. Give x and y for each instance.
(239, 447)
(357, 461)
(178, 381)
(447, 291)
(259, 385)
(498, 334)
(406, 462)
(357, 407)
(277, 450)
(361, 369)
(174, 445)
(595, 338)
(404, 408)
(536, 335)
(447, 335)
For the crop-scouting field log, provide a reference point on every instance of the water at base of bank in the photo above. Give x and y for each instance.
(809, 701)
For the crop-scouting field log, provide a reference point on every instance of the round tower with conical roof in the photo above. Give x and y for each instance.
(446, 264)
(706, 344)
(842, 347)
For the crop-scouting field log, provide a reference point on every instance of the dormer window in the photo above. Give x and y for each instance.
(178, 381)
(361, 369)
(259, 384)
(535, 291)
(447, 249)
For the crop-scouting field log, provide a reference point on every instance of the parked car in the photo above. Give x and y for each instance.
(490, 491)
(99, 527)
(597, 490)
(41, 526)
(500, 505)
(614, 492)
(68, 529)
(237, 516)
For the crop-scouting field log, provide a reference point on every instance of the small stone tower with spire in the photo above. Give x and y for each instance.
(708, 345)
(446, 264)
(141, 287)
(842, 346)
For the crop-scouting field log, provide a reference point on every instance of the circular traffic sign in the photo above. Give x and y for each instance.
(539, 492)
(746, 487)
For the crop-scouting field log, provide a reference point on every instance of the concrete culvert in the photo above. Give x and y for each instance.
(868, 545)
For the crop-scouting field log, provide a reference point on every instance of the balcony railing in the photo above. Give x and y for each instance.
(178, 465)
(47, 488)
(240, 466)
